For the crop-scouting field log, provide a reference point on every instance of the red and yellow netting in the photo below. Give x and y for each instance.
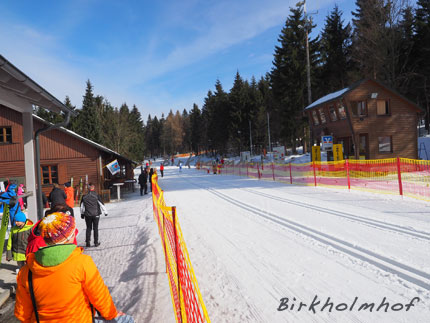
(186, 297)
(402, 176)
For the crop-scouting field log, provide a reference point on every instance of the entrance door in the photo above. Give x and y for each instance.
(364, 146)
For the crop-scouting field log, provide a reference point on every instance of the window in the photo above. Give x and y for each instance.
(49, 174)
(359, 108)
(342, 112)
(5, 135)
(315, 118)
(382, 107)
(332, 113)
(322, 116)
(385, 144)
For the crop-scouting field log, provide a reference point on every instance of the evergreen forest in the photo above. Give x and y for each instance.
(387, 40)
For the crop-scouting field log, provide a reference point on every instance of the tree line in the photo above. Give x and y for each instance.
(387, 40)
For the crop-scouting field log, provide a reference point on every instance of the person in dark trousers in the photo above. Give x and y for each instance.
(143, 179)
(57, 196)
(91, 209)
(151, 172)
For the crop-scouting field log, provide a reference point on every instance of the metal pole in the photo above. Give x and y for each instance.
(250, 136)
(308, 64)
(268, 131)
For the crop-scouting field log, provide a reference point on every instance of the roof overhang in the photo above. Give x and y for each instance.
(20, 92)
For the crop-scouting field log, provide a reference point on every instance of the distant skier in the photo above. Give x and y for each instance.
(151, 172)
(180, 166)
(162, 170)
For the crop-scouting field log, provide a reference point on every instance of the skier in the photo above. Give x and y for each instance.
(91, 209)
(162, 170)
(63, 284)
(180, 166)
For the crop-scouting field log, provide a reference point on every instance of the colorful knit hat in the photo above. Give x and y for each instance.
(57, 228)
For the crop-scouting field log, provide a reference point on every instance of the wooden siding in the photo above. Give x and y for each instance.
(400, 124)
(13, 119)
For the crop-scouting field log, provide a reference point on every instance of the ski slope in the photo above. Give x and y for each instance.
(253, 243)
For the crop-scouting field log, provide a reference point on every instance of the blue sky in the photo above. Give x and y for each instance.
(158, 55)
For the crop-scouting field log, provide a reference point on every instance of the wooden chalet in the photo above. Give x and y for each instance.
(370, 116)
(64, 155)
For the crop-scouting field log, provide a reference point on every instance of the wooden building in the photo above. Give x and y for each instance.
(370, 116)
(63, 155)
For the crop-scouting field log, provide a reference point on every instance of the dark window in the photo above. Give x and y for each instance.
(382, 107)
(315, 118)
(385, 144)
(342, 112)
(332, 113)
(359, 108)
(5, 135)
(322, 116)
(49, 174)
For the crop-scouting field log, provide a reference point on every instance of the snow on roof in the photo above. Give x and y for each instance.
(328, 97)
(93, 143)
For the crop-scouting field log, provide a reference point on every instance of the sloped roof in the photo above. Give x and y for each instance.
(341, 93)
(88, 141)
(14, 80)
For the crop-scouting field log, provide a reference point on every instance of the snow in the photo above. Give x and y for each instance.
(254, 242)
(328, 97)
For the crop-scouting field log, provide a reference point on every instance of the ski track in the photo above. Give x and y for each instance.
(406, 272)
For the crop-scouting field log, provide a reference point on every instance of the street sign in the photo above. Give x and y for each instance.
(316, 153)
(337, 152)
(327, 143)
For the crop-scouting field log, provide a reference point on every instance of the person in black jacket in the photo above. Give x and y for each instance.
(57, 196)
(91, 209)
(151, 172)
(143, 179)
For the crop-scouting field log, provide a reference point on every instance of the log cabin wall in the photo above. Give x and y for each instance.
(400, 124)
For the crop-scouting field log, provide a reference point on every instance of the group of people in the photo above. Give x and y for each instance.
(145, 177)
(56, 282)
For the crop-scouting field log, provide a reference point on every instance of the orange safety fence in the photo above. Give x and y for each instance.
(402, 176)
(186, 297)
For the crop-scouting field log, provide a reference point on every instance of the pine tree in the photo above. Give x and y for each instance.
(88, 122)
(335, 51)
(288, 76)
(196, 128)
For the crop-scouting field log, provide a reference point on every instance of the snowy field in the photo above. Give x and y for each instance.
(253, 243)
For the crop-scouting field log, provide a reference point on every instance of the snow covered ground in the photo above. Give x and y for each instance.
(253, 243)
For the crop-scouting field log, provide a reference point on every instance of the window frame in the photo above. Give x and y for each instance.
(387, 107)
(342, 116)
(356, 106)
(323, 117)
(379, 145)
(4, 135)
(50, 173)
(331, 109)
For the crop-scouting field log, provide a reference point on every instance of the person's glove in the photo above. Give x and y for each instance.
(82, 216)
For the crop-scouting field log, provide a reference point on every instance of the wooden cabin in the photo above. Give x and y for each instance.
(64, 155)
(370, 116)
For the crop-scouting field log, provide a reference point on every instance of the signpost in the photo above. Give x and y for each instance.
(327, 143)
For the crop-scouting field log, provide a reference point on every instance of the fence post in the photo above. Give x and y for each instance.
(347, 174)
(399, 174)
(164, 241)
(273, 170)
(315, 175)
(177, 257)
(258, 170)
(291, 177)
